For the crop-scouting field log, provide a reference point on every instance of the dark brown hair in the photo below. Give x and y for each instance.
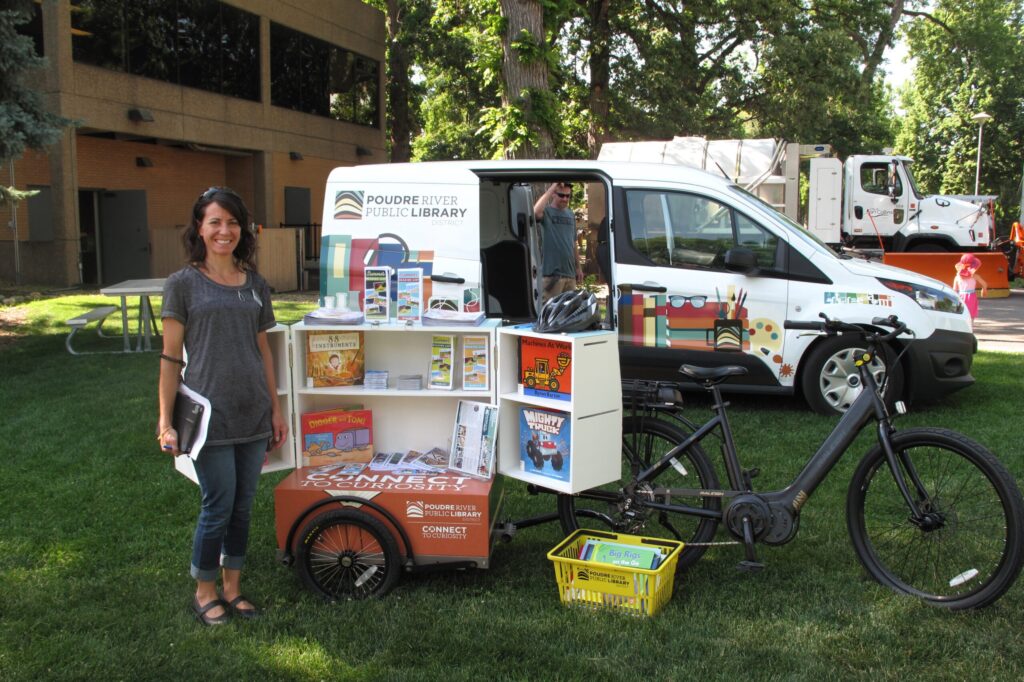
(245, 252)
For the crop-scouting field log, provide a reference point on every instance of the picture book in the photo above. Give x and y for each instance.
(476, 363)
(476, 430)
(410, 294)
(334, 436)
(334, 358)
(442, 354)
(620, 554)
(377, 294)
(544, 442)
(545, 368)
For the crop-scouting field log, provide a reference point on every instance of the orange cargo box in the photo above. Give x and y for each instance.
(434, 518)
(940, 266)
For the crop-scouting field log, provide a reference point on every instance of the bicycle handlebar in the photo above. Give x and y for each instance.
(833, 327)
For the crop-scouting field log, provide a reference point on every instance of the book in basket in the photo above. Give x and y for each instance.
(620, 554)
(333, 436)
(334, 358)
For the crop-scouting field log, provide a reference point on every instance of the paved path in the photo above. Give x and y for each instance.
(1000, 323)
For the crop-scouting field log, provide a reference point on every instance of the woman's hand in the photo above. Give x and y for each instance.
(168, 439)
(280, 429)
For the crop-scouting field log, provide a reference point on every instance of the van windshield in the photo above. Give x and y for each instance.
(792, 227)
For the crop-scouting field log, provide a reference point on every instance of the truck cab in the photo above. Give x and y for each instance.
(694, 269)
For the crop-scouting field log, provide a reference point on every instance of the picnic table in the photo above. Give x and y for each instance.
(143, 288)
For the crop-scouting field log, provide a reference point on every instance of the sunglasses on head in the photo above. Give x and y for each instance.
(215, 190)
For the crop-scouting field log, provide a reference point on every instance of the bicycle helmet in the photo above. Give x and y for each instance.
(569, 311)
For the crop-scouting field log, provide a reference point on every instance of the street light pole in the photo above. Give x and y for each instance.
(980, 118)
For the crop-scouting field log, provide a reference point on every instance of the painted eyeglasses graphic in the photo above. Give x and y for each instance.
(679, 301)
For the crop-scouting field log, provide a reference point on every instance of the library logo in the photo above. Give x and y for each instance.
(348, 205)
(414, 509)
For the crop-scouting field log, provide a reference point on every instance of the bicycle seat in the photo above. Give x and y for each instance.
(712, 375)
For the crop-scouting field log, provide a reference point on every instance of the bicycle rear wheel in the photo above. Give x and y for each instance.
(967, 551)
(615, 506)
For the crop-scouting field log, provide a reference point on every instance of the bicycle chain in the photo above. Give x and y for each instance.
(713, 544)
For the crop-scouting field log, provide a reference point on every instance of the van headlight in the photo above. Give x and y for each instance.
(928, 298)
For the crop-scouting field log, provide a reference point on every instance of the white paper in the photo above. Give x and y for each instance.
(204, 423)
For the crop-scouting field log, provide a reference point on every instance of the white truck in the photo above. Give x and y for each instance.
(697, 269)
(868, 201)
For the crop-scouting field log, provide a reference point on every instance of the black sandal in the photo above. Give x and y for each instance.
(200, 612)
(248, 614)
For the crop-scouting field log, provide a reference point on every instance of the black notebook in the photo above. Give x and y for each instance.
(188, 415)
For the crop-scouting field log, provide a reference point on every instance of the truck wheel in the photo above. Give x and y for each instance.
(530, 381)
(830, 381)
(553, 385)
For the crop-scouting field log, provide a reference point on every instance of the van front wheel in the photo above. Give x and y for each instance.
(830, 380)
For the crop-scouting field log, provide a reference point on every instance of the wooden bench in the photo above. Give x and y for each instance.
(82, 321)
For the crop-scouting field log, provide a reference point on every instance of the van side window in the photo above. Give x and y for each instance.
(683, 230)
(875, 176)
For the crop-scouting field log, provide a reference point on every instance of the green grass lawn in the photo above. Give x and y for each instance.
(97, 533)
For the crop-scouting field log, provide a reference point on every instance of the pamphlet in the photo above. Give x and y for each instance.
(476, 430)
(377, 294)
(410, 294)
(442, 355)
(476, 365)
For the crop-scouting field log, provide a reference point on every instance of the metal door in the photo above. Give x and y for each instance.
(124, 236)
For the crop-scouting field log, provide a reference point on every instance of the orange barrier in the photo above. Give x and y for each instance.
(940, 266)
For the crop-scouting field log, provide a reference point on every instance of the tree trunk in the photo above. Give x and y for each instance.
(600, 68)
(525, 76)
(398, 86)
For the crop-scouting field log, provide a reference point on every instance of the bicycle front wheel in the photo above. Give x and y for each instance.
(966, 550)
(619, 506)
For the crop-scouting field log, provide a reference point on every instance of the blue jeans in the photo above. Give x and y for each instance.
(228, 476)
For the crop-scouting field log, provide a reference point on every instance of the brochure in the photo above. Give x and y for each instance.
(442, 355)
(476, 430)
(410, 294)
(377, 294)
(476, 364)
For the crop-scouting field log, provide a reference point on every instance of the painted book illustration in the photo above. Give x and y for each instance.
(334, 436)
(334, 358)
(544, 442)
(545, 368)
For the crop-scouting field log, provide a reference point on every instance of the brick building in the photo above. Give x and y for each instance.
(175, 96)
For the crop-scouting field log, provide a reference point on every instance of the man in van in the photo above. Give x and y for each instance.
(561, 268)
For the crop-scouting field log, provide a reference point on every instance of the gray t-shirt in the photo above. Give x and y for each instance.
(559, 230)
(224, 362)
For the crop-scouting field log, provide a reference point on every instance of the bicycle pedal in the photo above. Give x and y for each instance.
(750, 566)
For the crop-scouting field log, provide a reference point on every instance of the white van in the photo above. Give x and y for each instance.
(699, 271)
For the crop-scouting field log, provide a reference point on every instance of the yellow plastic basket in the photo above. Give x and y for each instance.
(591, 584)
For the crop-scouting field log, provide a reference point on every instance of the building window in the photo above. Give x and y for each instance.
(196, 43)
(316, 77)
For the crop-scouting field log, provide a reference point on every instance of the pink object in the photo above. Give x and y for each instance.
(970, 261)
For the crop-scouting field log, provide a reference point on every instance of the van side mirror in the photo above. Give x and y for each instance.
(739, 259)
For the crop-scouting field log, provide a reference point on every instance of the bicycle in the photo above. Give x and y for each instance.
(930, 512)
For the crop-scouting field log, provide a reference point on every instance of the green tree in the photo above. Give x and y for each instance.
(969, 55)
(24, 120)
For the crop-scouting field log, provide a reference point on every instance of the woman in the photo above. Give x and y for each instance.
(219, 309)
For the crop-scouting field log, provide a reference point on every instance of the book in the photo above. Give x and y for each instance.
(442, 355)
(377, 294)
(334, 358)
(187, 419)
(476, 363)
(545, 368)
(334, 436)
(544, 442)
(476, 430)
(409, 284)
(620, 554)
